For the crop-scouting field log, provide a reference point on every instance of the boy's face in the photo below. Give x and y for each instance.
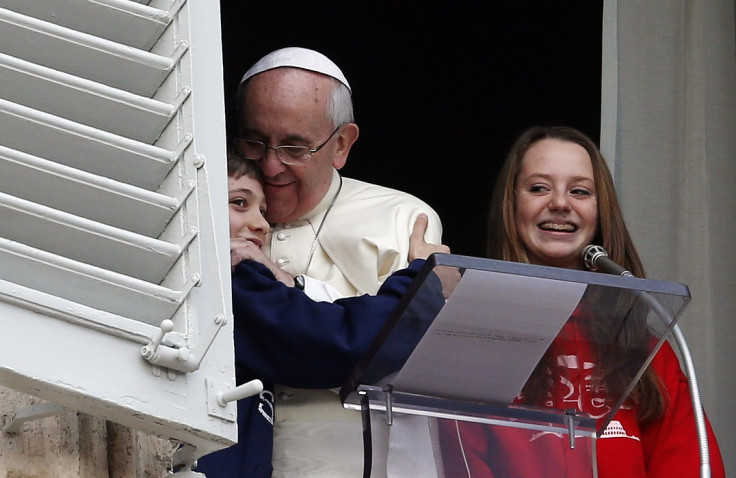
(247, 205)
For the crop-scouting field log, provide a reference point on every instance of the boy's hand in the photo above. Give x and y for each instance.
(243, 249)
(418, 247)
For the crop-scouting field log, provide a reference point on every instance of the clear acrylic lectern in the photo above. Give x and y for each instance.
(471, 334)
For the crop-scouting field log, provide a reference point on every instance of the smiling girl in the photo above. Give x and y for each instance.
(554, 196)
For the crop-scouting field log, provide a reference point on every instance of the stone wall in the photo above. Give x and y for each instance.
(76, 445)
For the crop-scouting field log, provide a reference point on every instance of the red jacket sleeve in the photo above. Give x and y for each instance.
(671, 444)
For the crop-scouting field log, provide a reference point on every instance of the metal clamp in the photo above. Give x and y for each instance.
(388, 392)
(569, 418)
(13, 423)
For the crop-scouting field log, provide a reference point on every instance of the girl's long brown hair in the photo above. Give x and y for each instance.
(612, 234)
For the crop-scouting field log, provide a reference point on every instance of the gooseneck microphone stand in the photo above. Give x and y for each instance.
(596, 259)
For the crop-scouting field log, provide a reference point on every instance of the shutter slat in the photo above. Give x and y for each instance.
(73, 312)
(121, 21)
(87, 241)
(83, 147)
(62, 277)
(84, 101)
(87, 195)
(87, 56)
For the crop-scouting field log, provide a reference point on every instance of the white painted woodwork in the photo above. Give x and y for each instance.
(121, 21)
(94, 58)
(83, 147)
(113, 213)
(86, 102)
(88, 195)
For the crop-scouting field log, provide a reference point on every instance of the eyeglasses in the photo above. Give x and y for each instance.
(287, 154)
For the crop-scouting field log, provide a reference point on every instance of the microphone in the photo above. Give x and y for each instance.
(596, 259)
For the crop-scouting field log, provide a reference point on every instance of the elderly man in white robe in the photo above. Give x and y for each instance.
(296, 121)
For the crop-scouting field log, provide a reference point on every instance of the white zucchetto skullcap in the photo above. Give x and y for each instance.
(296, 57)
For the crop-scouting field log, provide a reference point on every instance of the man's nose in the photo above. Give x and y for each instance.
(271, 164)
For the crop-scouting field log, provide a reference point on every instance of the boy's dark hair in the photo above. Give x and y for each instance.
(238, 166)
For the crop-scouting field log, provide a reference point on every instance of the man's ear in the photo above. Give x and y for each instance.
(348, 135)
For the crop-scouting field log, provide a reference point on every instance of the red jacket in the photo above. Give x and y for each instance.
(664, 448)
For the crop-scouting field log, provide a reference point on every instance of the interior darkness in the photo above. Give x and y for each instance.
(440, 91)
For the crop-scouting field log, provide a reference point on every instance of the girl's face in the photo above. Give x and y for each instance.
(247, 205)
(556, 210)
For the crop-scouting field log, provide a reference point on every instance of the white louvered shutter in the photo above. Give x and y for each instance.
(113, 215)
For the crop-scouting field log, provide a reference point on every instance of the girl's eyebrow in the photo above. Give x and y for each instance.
(549, 176)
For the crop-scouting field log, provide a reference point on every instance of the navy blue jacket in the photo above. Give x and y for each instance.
(282, 336)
